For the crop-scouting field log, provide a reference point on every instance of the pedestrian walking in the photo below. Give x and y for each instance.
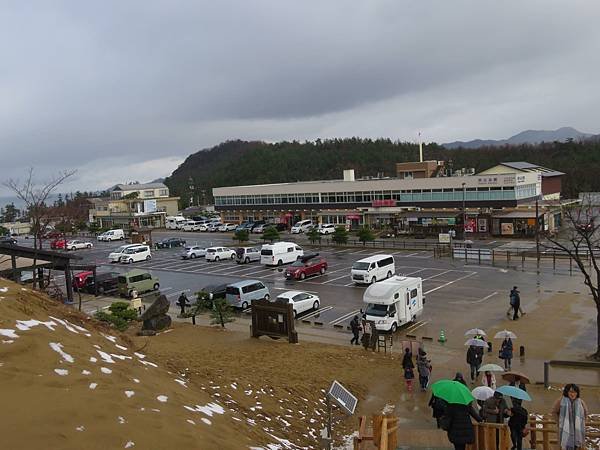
(366, 337)
(438, 407)
(517, 423)
(506, 352)
(355, 327)
(424, 369)
(409, 375)
(459, 377)
(488, 379)
(474, 360)
(517, 382)
(570, 412)
(182, 301)
(515, 303)
(460, 430)
(495, 409)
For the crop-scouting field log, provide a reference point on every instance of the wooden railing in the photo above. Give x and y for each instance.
(383, 435)
(543, 431)
(487, 434)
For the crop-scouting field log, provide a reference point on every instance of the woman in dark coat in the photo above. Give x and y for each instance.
(460, 429)
(407, 362)
(506, 352)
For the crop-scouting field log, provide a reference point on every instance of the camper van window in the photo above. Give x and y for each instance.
(396, 295)
(413, 293)
(290, 249)
(360, 265)
(376, 310)
(266, 252)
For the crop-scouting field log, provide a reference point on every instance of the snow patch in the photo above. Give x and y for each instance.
(162, 398)
(129, 394)
(80, 428)
(129, 444)
(58, 348)
(148, 363)
(181, 382)
(208, 409)
(8, 333)
(139, 355)
(62, 372)
(206, 421)
(93, 386)
(191, 421)
(25, 325)
(86, 372)
(121, 420)
(105, 357)
(105, 370)
(92, 359)
(110, 338)
(120, 347)
(135, 380)
(3, 289)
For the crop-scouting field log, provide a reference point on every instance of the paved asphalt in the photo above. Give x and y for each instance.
(458, 295)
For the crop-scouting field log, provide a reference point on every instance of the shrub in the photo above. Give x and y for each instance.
(120, 315)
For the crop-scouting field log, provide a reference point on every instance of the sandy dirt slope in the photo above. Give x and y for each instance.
(69, 382)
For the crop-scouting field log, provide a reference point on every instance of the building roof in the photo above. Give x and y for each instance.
(138, 187)
(528, 167)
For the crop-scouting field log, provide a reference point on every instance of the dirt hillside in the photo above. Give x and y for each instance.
(69, 382)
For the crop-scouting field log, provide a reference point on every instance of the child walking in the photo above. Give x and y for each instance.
(409, 375)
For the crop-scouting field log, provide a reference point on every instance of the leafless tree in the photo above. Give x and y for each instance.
(581, 241)
(35, 195)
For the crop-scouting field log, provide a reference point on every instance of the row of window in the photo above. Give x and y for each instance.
(506, 193)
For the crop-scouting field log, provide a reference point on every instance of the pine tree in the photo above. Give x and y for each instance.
(270, 234)
(241, 236)
(221, 313)
(365, 235)
(340, 235)
(313, 235)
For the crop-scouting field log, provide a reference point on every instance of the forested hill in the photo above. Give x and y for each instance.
(241, 163)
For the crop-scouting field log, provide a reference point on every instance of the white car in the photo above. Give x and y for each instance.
(301, 301)
(214, 226)
(75, 245)
(218, 253)
(193, 252)
(327, 228)
(191, 225)
(203, 227)
(302, 227)
(228, 227)
(115, 256)
(135, 254)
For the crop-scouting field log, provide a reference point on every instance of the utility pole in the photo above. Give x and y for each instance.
(537, 233)
(464, 213)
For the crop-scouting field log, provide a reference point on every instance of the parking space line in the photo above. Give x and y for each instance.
(435, 276)
(286, 289)
(338, 278)
(481, 300)
(344, 317)
(416, 271)
(317, 312)
(419, 325)
(449, 283)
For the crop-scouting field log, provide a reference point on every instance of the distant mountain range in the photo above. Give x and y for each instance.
(525, 137)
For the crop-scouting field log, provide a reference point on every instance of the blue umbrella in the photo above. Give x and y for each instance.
(514, 392)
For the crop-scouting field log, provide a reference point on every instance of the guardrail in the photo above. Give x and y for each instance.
(563, 363)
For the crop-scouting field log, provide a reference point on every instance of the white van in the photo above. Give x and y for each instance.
(135, 254)
(115, 256)
(175, 222)
(280, 253)
(191, 225)
(302, 227)
(394, 302)
(372, 269)
(112, 235)
(241, 294)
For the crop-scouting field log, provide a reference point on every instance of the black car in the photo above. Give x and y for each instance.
(7, 240)
(170, 243)
(214, 291)
(107, 282)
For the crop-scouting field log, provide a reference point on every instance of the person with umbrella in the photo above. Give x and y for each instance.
(495, 408)
(570, 412)
(457, 418)
(474, 360)
(459, 377)
(488, 379)
(506, 352)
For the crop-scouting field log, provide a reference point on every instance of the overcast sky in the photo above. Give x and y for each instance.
(125, 90)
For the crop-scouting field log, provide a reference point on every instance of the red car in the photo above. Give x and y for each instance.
(80, 279)
(305, 266)
(58, 244)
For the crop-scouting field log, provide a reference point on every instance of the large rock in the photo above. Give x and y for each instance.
(155, 318)
(158, 308)
(157, 323)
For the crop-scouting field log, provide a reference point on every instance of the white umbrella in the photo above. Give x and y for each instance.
(476, 343)
(505, 334)
(475, 331)
(482, 392)
(491, 368)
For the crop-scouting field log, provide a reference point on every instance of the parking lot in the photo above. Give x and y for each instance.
(458, 295)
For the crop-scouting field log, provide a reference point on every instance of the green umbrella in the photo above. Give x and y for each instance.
(452, 392)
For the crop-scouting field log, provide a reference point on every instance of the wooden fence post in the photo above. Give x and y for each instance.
(377, 422)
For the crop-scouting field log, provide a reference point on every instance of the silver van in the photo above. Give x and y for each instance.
(247, 254)
(242, 293)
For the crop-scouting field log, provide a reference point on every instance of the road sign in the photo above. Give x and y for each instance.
(444, 238)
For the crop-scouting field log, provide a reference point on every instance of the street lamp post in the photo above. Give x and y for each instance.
(464, 233)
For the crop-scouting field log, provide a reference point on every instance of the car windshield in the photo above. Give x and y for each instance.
(297, 224)
(360, 265)
(298, 263)
(121, 249)
(376, 310)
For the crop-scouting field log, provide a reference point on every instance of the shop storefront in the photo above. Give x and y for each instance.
(516, 224)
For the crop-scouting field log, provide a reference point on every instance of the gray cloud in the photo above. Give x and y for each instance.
(85, 83)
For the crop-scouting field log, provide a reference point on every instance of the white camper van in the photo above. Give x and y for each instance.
(112, 235)
(280, 253)
(394, 302)
(373, 269)
(175, 222)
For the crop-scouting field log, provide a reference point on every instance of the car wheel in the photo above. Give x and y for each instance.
(302, 275)
(394, 328)
(101, 290)
(89, 246)
(193, 256)
(267, 297)
(73, 248)
(295, 314)
(148, 258)
(373, 280)
(389, 274)
(233, 256)
(247, 260)
(130, 261)
(245, 305)
(322, 270)
(280, 263)
(216, 258)
(316, 305)
(156, 286)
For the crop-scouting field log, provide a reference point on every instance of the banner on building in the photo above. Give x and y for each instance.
(470, 226)
(507, 228)
(482, 225)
